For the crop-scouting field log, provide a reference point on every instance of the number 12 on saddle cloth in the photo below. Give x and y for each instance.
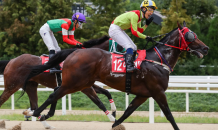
(118, 63)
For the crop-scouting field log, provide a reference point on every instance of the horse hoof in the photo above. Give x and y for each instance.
(27, 112)
(119, 127)
(2, 124)
(46, 125)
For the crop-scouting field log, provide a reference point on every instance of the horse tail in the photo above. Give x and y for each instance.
(3, 64)
(53, 61)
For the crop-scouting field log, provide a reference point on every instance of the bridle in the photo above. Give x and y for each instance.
(186, 37)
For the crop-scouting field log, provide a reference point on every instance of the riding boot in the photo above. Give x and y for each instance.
(54, 69)
(129, 63)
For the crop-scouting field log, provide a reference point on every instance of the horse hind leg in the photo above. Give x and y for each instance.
(100, 90)
(32, 94)
(136, 102)
(93, 96)
(7, 93)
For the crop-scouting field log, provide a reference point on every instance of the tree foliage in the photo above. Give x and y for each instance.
(174, 13)
(101, 16)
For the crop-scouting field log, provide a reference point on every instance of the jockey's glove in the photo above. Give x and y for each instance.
(149, 39)
(148, 21)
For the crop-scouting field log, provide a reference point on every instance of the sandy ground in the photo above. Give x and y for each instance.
(74, 125)
(71, 125)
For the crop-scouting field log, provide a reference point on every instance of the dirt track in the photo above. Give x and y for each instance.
(74, 125)
(71, 125)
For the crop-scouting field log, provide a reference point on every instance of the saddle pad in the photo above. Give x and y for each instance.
(118, 63)
(45, 60)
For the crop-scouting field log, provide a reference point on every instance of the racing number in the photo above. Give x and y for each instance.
(146, 2)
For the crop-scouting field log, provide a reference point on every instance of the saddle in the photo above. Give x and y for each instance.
(45, 59)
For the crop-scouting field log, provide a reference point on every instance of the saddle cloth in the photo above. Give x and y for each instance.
(118, 63)
(45, 60)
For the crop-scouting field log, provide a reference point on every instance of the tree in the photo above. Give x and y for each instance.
(202, 9)
(212, 41)
(101, 16)
(15, 25)
(21, 21)
(174, 13)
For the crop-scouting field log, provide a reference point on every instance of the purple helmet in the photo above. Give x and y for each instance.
(79, 16)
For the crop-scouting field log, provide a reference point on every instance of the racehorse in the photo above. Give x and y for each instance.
(15, 73)
(83, 67)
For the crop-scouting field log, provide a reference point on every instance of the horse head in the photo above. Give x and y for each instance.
(190, 42)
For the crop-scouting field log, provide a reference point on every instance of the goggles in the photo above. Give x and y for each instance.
(150, 10)
(80, 24)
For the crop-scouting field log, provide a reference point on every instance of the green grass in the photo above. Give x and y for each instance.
(103, 118)
(176, 101)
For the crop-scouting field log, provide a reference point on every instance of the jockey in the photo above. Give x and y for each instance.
(64, 25)
(131, 20)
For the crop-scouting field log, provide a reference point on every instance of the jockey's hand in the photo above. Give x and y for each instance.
(149, 39)
(79, 45)
(148, 21)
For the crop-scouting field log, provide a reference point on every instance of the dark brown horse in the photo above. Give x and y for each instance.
(15, 71)
(83, 67)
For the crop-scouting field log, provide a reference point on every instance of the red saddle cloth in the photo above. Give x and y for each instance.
(118, 63)
(45, 60)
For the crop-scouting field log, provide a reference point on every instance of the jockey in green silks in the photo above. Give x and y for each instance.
(66, 27)
(131, 20)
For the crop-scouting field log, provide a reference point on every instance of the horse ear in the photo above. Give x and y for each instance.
(179, 26)
(184, 24)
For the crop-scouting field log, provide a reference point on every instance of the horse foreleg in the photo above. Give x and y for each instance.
(100, 90)
(162, 102)
(50, 114)
(51, 111)
(93, 96)
(136, 102)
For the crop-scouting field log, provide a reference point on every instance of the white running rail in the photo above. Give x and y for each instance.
(174, 81)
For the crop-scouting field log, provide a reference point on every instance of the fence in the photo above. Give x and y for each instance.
(174, 81)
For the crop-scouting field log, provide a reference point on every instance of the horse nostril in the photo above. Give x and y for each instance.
(205, 49)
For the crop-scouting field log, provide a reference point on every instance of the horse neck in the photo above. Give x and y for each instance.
(103, 46)
(170, 54)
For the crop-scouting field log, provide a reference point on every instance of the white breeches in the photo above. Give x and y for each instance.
(119, 35)
(48, 38)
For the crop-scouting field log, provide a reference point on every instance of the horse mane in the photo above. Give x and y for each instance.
(164, 39)
(3, 64)
(94, 42)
